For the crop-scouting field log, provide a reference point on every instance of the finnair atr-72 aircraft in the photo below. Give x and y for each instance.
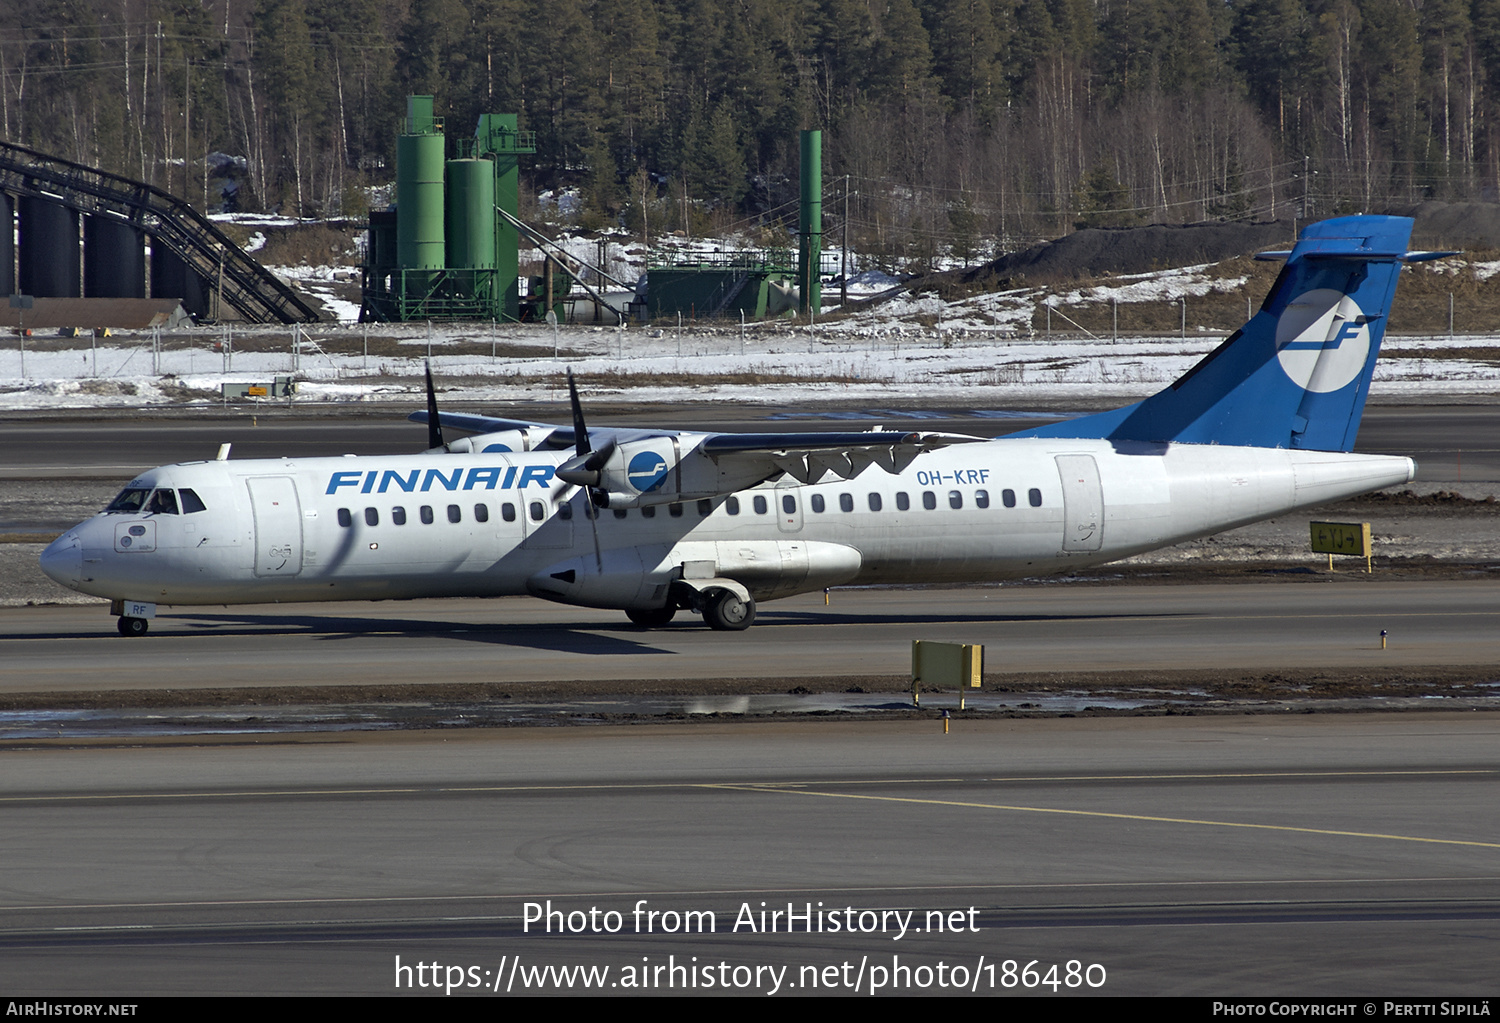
(652, 522)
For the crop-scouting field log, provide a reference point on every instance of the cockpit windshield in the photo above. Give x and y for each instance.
(162, 501)
(131, 499)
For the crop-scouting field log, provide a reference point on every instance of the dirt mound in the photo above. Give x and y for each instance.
(1457, 225)
(1097, 251)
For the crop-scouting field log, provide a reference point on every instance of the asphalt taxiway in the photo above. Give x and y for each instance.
(1318, 854)
(1066, 627)
(1344, 855)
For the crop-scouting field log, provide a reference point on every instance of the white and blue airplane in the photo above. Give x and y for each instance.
(651, 522)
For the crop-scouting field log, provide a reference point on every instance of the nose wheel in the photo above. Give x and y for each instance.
(132, 626)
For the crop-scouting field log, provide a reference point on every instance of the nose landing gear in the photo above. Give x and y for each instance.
(132, 626)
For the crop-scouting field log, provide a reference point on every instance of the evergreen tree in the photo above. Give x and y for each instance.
(291, 107)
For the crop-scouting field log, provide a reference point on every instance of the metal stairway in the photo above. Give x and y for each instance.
(249, 288)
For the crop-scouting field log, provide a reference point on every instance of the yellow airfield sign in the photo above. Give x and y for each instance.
(1349, 538)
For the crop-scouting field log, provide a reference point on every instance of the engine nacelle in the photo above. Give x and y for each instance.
(663, 470)
(503, 440)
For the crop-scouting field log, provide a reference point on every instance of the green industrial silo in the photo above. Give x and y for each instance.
(446, 251)
(470, 227)
(419, 195)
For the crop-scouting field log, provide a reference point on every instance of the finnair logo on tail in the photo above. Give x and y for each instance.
(1322, 340)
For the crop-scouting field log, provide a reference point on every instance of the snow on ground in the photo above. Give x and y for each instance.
(982, 350)
(256, 219)
(770, 362)
(1168, 286)
(317, 280)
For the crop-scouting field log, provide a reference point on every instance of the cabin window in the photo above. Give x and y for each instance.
(425, 514)
(191, 502)
(789, 504)
(1008, 498)
(538, 512)
(982, 498)
(565, 510)
(372, 517)
(675, 510)
(620, 513)
(817, 503)
(1035, 497)
(648, 512)
(481, 513)
(955, 499)
(903, 502)
(874, 502)
(163, 502)
(705, 506)
(732, 505)
(345, 519)
(846, 502)
(929, 500)
(508, 512)
(398, 515)
(760, 505)
(455, 514)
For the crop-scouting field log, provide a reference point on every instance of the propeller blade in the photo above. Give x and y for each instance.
(584, 469)
(592, 512)
(434, 428)
(580, 432)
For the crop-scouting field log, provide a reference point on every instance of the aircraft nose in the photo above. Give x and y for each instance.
(63, 560)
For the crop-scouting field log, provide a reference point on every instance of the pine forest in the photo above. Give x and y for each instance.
(949, 125)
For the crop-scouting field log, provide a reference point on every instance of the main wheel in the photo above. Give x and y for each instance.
(132, 626)
(726, 612)
(653, 617)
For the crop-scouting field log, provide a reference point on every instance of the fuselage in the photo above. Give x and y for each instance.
(493, 524)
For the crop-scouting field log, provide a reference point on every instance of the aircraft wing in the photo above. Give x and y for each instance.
(545, 436)
(634, 466)
(644, 468)
(804, 456)
(807, 457)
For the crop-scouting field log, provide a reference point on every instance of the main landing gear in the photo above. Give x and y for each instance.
(722, 610)
(132, 626)
(725, 611)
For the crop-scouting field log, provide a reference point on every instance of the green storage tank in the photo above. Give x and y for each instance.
(470, 238)
(419, 191)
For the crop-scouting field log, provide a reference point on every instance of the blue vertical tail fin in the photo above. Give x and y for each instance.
(1295, 376)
